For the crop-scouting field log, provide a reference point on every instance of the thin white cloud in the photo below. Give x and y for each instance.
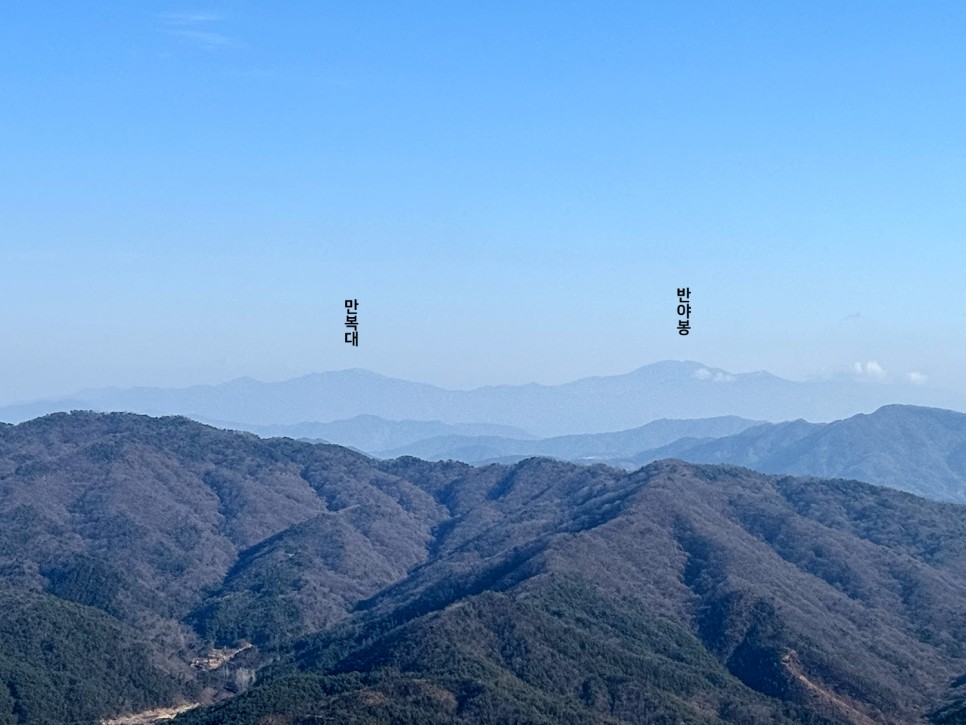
(917, 378)
(189, 18)
(198, 28)
(718, 377)
(870, 370)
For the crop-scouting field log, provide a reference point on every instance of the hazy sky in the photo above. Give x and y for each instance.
(512, 190)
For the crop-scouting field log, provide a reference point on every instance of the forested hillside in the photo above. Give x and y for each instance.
(141, 557)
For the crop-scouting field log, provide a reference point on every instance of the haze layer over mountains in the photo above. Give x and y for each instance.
(921, 450)
(665, 410)
(678, 390)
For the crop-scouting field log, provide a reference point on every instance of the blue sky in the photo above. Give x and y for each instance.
(513, 190)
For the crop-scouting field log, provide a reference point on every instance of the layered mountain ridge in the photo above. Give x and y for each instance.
(405, 590)
(668, 389)
(912, 448)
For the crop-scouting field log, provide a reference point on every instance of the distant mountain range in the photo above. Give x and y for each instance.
(370, 433)
(912, 448)
(681, 390)
(159, 562)
(590, 447)
(921, 450)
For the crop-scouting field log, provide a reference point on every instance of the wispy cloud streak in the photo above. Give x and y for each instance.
(198, 28)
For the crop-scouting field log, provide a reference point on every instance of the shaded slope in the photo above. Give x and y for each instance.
(154, 522)
(551, 652)
(165, 505)
(62, 662)
(810, 600)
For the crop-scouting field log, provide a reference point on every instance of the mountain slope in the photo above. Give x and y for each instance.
(65, 662)
(921, 450)
(803, 600)
(411, 591)
(153, 522)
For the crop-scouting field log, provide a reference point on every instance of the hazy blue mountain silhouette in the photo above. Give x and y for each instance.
(370, 433)
(589, 447)
(667, 389)
(912, 448)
